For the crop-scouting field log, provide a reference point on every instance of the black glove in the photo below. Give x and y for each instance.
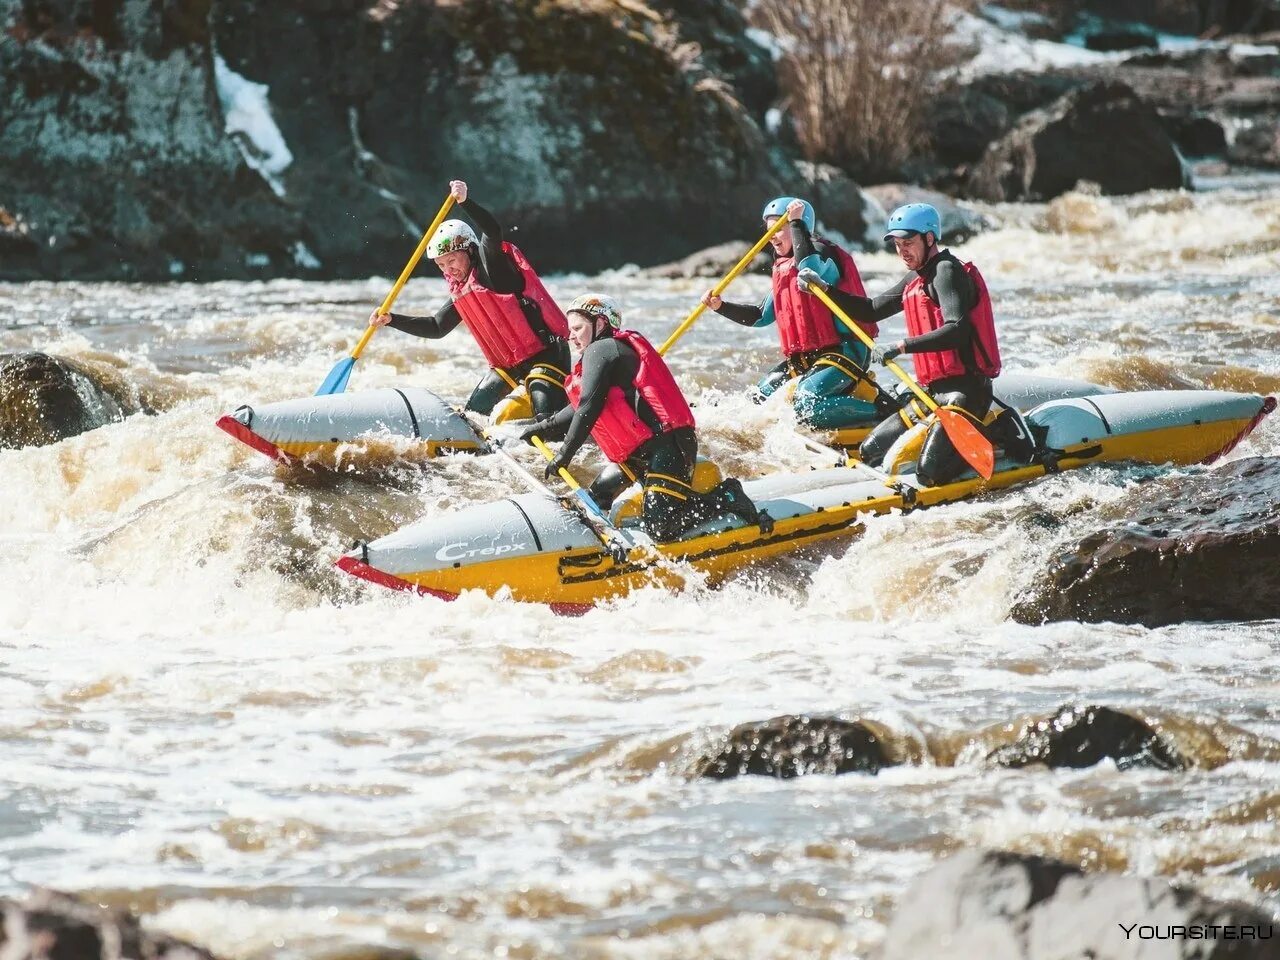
(890, 353)
(535, 429)
(554, 466)
(807, 278)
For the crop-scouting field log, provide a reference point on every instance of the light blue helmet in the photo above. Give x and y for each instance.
(778, 208)
(912, 219)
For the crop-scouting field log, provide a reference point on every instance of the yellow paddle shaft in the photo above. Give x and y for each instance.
(720, 287)
(861, 334)
(546, 451)
(405, 274)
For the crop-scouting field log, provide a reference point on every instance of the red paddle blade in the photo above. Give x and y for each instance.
(968, 441)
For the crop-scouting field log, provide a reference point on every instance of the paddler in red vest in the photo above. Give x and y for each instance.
(951, 337)
(500, 298)
(622, 395)
(833, 390)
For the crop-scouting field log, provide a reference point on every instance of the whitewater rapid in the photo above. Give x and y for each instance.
(204, 719)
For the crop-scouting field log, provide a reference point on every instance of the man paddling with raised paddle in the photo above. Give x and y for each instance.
(951, 337)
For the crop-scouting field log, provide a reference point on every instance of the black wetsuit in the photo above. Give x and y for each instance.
(663, 464)
(948, 285)
(542, 374)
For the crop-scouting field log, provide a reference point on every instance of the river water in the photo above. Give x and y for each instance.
(204, 720)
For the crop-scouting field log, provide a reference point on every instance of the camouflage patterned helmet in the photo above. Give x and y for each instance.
(452, 236)
(598, 305)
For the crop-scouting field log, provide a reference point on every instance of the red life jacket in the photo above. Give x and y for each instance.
(498, 321)
(619, 430)
(804, 322)
(923, 315)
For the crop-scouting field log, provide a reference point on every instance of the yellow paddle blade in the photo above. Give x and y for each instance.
(968, 441)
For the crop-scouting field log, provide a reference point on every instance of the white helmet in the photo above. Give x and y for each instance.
(452, 235)
(597, 306)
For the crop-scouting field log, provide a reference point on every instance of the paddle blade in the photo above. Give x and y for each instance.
(591, 506)
(968, 441)
(336, 381)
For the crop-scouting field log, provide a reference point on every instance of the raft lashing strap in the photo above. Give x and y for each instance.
(413, 417)
(533, 531)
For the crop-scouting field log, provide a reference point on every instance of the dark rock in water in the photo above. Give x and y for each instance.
(1020, 90)
(797, 746)
(1258, 145)
(44, 399)
(959, 221)
(1103, 133)
(842, 205)
(711, 263)
(60, 927)
(1174, 16)
(1196, 135)
(1199, 547)
(964, 121)
(1084, 736)
(1120, 38)
(1008, 906)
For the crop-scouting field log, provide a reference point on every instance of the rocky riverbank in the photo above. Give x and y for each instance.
(162, 141)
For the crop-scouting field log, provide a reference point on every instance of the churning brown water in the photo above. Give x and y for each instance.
(202, 718)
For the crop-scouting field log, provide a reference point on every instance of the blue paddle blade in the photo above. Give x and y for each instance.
(336, 381)
(589, 502)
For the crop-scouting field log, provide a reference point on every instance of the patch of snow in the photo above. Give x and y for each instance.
(1012, 20)
(769, 41)
(304, 258)
(177, 268)
(1003, 51)
(257, 260)
(1243, 51)
(249, 123)
(773, 121)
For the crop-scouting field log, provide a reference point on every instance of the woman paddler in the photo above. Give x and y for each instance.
(834, 390)
(622, 394)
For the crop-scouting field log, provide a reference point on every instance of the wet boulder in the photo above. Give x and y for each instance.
(842, 206)
(1114, 38)
(1008, 906)
(1076, 737)
(964, 120)
(1258, 145)
(1102, 133)
(44, 399)
(56, 925)
(1197, 547)
(796, 746)
(1197, 135)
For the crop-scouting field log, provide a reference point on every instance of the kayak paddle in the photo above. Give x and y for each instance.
(336, 381)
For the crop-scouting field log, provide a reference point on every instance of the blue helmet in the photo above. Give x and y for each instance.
(912, 219)
(778, 208)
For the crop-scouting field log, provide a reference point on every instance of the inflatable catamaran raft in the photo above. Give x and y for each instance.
(314, 429)
(543, 552)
